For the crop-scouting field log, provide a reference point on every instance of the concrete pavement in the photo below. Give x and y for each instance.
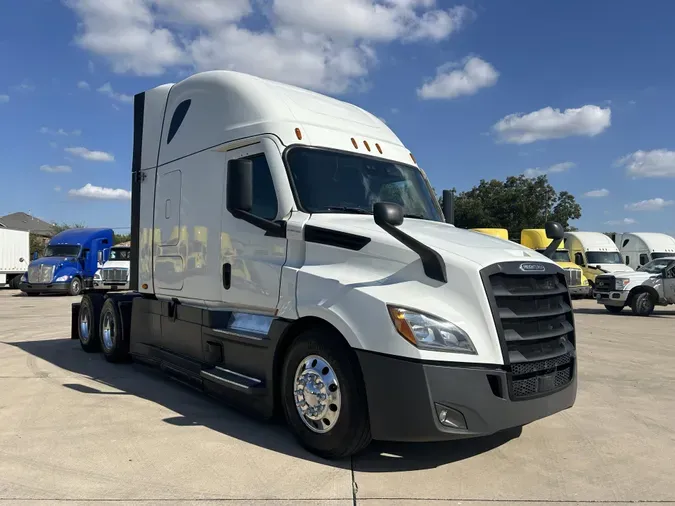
(75, 428)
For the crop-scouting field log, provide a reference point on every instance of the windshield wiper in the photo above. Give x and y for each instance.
(344, 209)
(415, 216)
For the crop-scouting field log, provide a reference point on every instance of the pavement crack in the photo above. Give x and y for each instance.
(355, 486)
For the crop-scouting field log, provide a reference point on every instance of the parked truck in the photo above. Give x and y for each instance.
(14, 256)
(355, 317)
(69, 262)
(113, 273)
(595, 253)
(640, 248)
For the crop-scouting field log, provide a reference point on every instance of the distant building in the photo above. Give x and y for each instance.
(28, 223)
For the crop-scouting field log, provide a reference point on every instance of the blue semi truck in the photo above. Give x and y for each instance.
(69, 263)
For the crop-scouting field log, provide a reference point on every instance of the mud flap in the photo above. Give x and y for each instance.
(74, 320)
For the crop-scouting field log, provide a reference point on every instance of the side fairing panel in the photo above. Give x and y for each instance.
(147, 233)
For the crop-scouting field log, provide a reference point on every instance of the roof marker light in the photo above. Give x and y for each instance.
(354, 143)
(365, 143)
(298, 134)
(378, 147)
(413, 158)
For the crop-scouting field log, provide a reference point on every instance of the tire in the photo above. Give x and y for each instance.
(328, 358)
(642, 304)
(14, 282)
(32, 294)
(88, 322)
(75, 287)
(114, 345)
(614, 309)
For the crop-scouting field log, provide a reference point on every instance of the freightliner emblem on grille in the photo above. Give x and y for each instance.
(532, 267)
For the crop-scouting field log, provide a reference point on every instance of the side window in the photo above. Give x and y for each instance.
(177, 119)
(643, 259)
(265, 202)
(625, 242)
(578, 259)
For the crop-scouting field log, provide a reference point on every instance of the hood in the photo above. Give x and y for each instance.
(635, 277)
(116, 264)
(447, 240)
(568, 265)
(55, 261)
(612, 268)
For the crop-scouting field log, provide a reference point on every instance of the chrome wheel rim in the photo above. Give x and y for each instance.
(84, 326)
(108, 330)
(76, 285)
(316, 391)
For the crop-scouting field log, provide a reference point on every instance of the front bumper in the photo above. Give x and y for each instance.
(45, 287)
(612, 298)
(584, 290)
(101, 285)
(404, 398)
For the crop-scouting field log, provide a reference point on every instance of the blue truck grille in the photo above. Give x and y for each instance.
(535, 323)
(40, 273)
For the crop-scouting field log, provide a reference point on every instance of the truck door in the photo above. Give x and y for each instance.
(251, 261)
(669, 284)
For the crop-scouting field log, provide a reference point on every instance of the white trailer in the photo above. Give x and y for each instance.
(289, 255)
(14, 256)
(640, 248)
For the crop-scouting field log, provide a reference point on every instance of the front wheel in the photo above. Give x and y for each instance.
(75, 287)
(614, 309)
(642, 304)
(323, 396)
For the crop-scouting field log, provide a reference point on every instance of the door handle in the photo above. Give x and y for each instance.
(227, 276)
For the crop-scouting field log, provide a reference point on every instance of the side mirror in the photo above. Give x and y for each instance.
(240, 185)
(99, 256)
(554, 230)
(21, 260)
(386, 213)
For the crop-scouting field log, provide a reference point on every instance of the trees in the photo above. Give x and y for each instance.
(516, 203)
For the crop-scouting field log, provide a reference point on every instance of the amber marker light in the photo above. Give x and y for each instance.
(398, 318)
(298, 134)
(413, 158)
(354, 143)
(378, 147)
(365, 143)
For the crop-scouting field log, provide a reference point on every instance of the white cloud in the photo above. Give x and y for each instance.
(655, 163)
(656, 204)
(452, 82)
(108, 91)
(94, 156)
(53, 144)
(25, 86)
(597, 193)
(549, 123)
(553, 169)
(60, 131)
(4, 99)
(90, 191)
(319, 44)
(83, 85)
(625, 221)
(57, 188)
(55, 168)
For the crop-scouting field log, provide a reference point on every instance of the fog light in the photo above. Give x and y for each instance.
(450, 417)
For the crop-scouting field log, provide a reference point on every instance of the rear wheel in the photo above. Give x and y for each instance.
(614, 309)
(642, 304)
(88, 322)
(113, 343)
(323, 396)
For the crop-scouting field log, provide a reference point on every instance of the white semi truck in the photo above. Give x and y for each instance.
(329, 287)
(113, 273)
(14, 256)
(640, 248)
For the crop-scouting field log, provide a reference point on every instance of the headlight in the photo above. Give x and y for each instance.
(97, 276)
(61, 278)
(621, 284)
(429, 333)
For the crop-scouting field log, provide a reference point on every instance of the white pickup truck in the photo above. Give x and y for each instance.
(653, 284)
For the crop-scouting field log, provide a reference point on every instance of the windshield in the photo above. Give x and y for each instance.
(62, 250)
(560, 255)
(662, 255)
(655, 266)
(604, 257)
(330, 182)
(120, 254)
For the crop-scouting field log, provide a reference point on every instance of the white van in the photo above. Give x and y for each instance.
(328, 286)
(640, 248)
(595, 253)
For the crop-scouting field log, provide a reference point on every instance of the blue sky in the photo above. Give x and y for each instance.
(580, 89)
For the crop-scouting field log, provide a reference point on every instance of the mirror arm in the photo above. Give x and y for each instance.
(432, 262)
(552, 248)
(271, 228)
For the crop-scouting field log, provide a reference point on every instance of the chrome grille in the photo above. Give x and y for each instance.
(534, 320)
(114, 274)
(40, 273)
(573, 277)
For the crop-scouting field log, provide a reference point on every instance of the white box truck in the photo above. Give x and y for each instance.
(640, 248)
(14, 256)
(325, 284)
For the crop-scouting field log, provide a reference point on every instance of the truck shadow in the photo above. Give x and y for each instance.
(196, 409)
(658, 313)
